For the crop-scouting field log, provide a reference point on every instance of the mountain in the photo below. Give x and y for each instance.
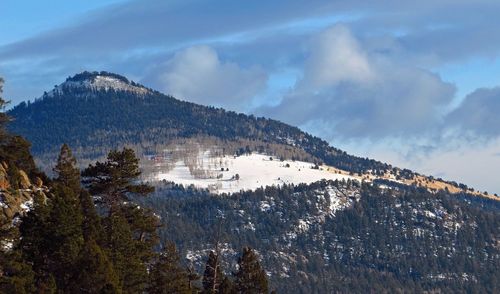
(320, 219)
(103, 109)
(94, 112)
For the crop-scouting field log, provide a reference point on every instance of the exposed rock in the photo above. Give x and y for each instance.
(8, 212)
(38, 182)
(4, 181)
(25, 182)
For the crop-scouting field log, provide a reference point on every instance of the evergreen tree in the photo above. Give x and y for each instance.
(193, 277)
(144, 226)
(52, 238)
(16, 275)
(66, 170)
(65, 236)
(96, 273)
(35, 244)
(250, 277)
(91, 225)
(213, 277)
(114, 180)
(123, 251)
(130, 232)
(4, 118)
(227, 286)
(167, 275)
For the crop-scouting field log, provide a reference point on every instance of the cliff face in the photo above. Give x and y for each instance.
(16, 194)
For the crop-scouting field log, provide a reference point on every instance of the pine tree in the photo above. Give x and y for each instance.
(130, 232)
(250, 277)
(96, 273)
(52, 238)
(213, 277)
(66, 170)
(144, 226)
(64, 235)
(167, 275)
(123, 251)
(227, 286)
(4, 118)
(91, 225)
(193, 277)
(115, 179)
(16, 275)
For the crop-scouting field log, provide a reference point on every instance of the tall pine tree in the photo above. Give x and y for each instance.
(130, 232)
(167, 275)
(250, 277)
(66, 170)
(213, 276)
(114, 180)
(3, 116)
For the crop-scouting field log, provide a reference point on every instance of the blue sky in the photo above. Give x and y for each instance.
(414, 83)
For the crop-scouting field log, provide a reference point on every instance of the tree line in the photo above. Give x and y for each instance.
(67, 244)
(85, 235)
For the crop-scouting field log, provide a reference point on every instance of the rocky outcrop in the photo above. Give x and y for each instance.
(17, 202)
(4, 180)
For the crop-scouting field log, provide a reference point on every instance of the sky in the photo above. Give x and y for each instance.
(412, 83)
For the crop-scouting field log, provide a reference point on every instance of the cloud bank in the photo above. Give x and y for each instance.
(349, 92)
(197, 74)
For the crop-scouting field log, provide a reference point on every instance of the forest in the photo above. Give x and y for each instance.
(101, 230)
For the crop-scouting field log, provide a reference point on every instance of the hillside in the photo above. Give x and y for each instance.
(94, 112)
(93, 118)
(319, 220)
(342, 236)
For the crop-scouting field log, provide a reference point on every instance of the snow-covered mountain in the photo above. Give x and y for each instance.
(95, 81)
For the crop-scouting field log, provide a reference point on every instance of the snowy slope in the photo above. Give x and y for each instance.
(99, 82)
(246, 172)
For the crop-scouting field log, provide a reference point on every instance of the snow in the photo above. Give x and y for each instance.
(99, 82)
(254, 170)
(27, 206)
(265, 206)
(7, 245)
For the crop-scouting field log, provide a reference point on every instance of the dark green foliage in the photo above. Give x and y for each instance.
(91, 225)
(114, 179)
(66, 171)
(250, 277)
(95, 272)
(122, 249)
(213, 276)
(373, 245)
(15, 151)
(167, 276)
(129, 231)
(16, 275)
(144, 227)
(53, 238)
(227, 286)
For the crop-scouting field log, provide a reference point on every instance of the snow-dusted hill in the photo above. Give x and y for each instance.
(227, 174)
(98, 81)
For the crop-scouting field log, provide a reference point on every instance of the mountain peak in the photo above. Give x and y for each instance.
(95, 81)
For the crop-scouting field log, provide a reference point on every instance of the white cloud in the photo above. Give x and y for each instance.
(350, 92)
(198, 74)
(336, 57)
(478, 114)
